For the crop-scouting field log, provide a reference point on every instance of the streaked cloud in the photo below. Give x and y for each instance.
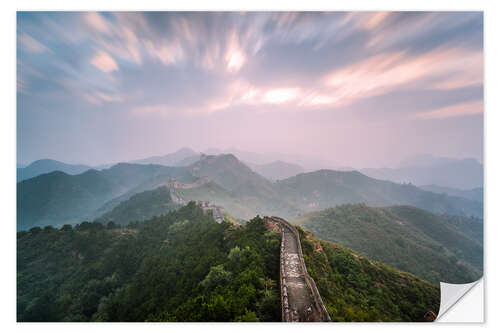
(366, 20)
(459, 110)
(100, 97)
(167, 53)
(345, 69)
(31, 44)
(104, 62)
(96, 21)
(278, 96)
(448, 68)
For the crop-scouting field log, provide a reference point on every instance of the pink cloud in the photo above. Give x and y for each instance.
(280, 96)
(96, 21)
(99, 98)
(235, 56)
(239, 92)
(119, 38)
(285, 19)
(365, 20)
(444, 68)
(150, 109)
(31, 44)
(464, 109)
(388, 71)
(167, 53)
(166, 109)
(373, 20)
(104, 62)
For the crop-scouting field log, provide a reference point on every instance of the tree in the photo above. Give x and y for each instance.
(216, 277)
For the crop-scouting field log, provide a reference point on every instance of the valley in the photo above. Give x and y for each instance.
(355, 235)
(57, 198)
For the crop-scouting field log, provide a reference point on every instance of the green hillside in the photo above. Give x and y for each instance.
(327, 188)
(258, 194)
(231, 173)
(354, 288)
(57, 198)
(475, 194)
(183, 266)
(433, 246)
(141, 206)
(218, 195)
(46, 166)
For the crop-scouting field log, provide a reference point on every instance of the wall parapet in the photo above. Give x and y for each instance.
(318, 302)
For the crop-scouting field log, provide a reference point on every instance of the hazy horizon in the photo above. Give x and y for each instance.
(361, 89)
(280, 157)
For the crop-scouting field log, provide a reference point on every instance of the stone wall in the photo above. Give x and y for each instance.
(318, 302)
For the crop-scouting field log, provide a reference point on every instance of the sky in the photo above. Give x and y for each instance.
(360, 89)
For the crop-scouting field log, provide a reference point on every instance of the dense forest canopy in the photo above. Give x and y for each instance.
(354, 288)
(435, 247)
(141, 206)
(182, 266)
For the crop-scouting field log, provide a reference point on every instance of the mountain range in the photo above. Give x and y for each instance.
(475, 194)
(445, 172)
(47, 165)
(434, 234)
(276, 170)
(304, 161)
(172, 159)
(57, 197)
(420, 170)
(326, 188)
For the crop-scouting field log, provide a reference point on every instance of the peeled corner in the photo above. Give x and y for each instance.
(460, 304)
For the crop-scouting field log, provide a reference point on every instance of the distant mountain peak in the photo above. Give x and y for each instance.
(171, 159)
(329, 172)
(428, 160)
(220, 157)
(44, 160)
(185, 150)
(443, 171)
(48, 165)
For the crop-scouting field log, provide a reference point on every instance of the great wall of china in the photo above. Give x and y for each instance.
(300, 299)
(217, 212)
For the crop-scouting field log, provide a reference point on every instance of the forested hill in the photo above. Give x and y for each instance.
(183, 266)
(141, 206)
(57, 198)
(354, 288)
(327, 188)
(436, 247)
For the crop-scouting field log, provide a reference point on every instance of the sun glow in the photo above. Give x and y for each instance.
(235, 60)
(279, 96)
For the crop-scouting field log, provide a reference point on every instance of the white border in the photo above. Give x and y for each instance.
(8, 149)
